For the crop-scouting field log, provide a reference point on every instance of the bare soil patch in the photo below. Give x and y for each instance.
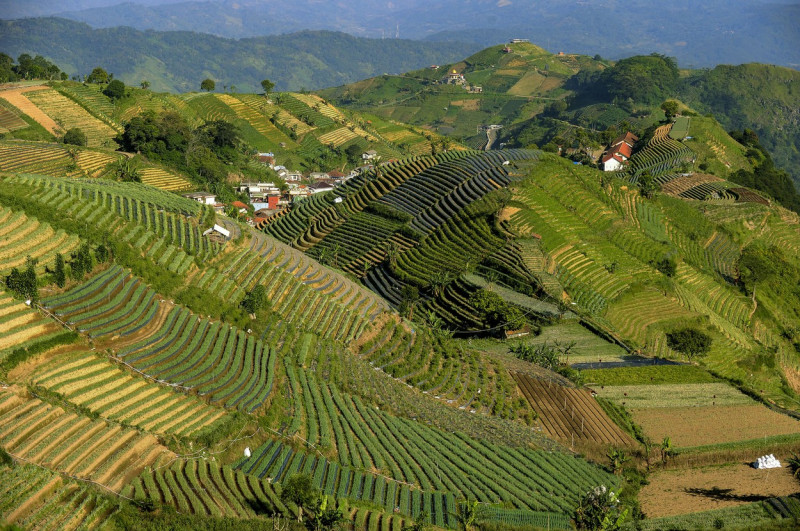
(703, 489)
(698, 426)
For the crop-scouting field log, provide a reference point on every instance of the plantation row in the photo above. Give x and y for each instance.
(21, 236)
(55, 105)
(252, 108)
(299, 289)
(709, 191)
(35, 498)
(20, 326)
(164, 180)
(204, 488)
(440, 192)
(44, 434)
(9, 121)
(432, 459)
(25, 157)
(303, 111)
(89, 95)
(229, 367)
(314, 218)
(659, 157)
(113, 394)
(570, 414)
(442, 370)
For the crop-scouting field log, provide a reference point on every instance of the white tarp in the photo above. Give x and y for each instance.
(766, 461)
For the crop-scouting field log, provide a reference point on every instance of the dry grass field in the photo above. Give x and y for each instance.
(683, 491)
(699, 426)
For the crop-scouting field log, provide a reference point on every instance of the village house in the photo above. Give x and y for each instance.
(619, 152)
(289, 175)
(454, 78)
(320, 187)
(268, 159)
(202, 197)
(369, 155)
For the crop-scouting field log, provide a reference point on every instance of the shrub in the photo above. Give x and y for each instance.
(75, 137)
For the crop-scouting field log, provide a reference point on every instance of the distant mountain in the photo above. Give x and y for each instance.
(696, 33)
(178, 61)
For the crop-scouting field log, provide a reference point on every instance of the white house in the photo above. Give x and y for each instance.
(369, 155)
(202, 197)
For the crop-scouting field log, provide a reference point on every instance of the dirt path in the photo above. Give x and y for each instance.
(16, 97)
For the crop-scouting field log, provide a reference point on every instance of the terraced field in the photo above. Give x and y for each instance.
(21, 236)
(164, 180)
(73, 445)
(20, 326)
(35, 498)
(70, 114)
(118, 395)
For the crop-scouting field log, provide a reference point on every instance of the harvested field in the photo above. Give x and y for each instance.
(699, 426)
(16, 98)
(702, 489)
(567, 412)
(682, 184)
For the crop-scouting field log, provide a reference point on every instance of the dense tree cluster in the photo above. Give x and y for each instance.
(765, 177)
(24, 283)
(643, 79)
(205, 153)
(496, 313)
(28, 67)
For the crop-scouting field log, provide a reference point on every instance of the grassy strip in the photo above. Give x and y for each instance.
(19, 355)
(649, 375)
(621, 418)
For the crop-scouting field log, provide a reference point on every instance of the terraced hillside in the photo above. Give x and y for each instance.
(605, 246)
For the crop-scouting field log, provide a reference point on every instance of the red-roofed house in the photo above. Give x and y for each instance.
(241, 207)
(620, 151)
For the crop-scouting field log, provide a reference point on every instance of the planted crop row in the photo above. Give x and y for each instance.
(68, 443)
(70, 114)
(22, 236)
(117, 395)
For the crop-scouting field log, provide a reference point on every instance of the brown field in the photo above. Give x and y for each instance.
(468, 105)
(567, 412)
(16, 98)
(698, 426)
(684, 491)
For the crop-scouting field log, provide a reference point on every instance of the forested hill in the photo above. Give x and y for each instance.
(178, 61)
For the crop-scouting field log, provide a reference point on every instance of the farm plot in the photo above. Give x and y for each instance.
(675, 395)
(203, 488)
(672, 492)
(16, 97)
(164, 180)
(20, 326)
(100, 386)
(69, 114)
(21, 236)
(633, 315)
(65, 442)
(707, 425)
(29, 157)
(35, 498)
(9, 121)
(566, 413)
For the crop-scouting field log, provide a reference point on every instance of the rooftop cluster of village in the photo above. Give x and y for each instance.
(268, 198)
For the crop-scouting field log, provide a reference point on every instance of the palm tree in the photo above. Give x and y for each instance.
(391, 253)
(794, 465)
(666, 449)
(617, 458)
(466, 514)
(439, 281)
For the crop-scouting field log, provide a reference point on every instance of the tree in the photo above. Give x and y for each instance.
(666, 265)
(59, 271)
(24, 283)
(647, 185)
(115, 90)
(793, 463)
(75, 136)
(98, 75)
(617, 458)
(409, 297)
(102, 253)
(126, 170)
(666, 449)
(496, 313)
(208, 85)
(670, 108)
(267, 85)
(255, 299)
(299, 490)
(81, 262)
(326, 518)
(689, 341)
(600, 510)
(145, 84)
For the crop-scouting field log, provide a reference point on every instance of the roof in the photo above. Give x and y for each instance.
(628, 138)
(623, 149)
(238, 204)
(611, 155)
(335, 174)
(196, 195)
